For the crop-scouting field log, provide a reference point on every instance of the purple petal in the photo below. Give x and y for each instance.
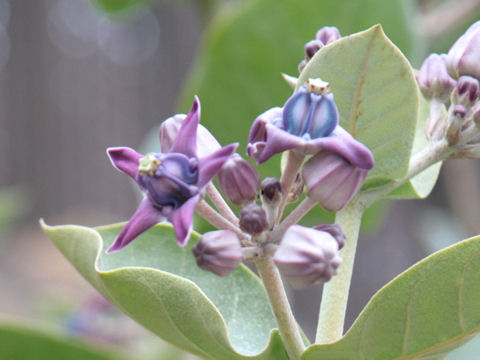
(125, 160)
(182, 220)
(186, 141)
(209, 166)
(342, 143)
(144, 218)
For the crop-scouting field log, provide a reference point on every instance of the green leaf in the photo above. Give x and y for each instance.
(158, 284)
(20, 342)
(420, 186)
(424, 313)
(376, 94)
(118, 6)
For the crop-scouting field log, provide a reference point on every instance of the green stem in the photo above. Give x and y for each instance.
(335, 292)
(287, 324)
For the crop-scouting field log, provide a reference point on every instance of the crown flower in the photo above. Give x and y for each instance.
(172, 181)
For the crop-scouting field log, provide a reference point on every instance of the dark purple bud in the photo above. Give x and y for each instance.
(239, 180)
(464, 56)
(310, 115)
(466, 91)
(218, 251)
(331, 180)
(307, 256)
(336, 231)
(433, 78)
(328, 34)
(311, 48)
(253, 219)
(271, 190)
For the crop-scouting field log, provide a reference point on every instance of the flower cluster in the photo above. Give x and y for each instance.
(452, 80)
(323, 158)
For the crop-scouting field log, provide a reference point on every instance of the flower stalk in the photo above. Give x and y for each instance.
(286, 322)
(335, 292)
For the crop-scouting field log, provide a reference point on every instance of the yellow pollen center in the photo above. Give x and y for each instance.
(317, 86)
(148, 164)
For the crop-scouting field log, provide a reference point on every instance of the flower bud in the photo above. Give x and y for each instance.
(271, 190)
(253, 219)
(328, 34)
(218, 252)
(307, 256)
(331, 180)
(466, 91)
(433, 78)
(311, 48)
(239, 180)
(464, 56)
(336, 231)
(206, 142)
(456, 121)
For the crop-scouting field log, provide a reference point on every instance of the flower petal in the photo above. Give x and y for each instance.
(186, 141)
(343, 144)
(209, 166)
(125, 160)
(143, 219)
(182, 220)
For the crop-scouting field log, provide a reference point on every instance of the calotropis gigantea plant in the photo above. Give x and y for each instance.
(357, 128)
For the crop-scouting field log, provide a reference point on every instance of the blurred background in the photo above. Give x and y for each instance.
(78, 76)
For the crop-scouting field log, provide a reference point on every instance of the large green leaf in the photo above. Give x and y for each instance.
(421, 185)
(376, 94)
(20, 342)
(158, 284)
(424, 313)
(248, 46)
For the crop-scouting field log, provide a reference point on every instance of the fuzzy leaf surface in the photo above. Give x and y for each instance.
(424, 313)
(158, 284)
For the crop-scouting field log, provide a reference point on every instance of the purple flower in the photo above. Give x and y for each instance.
(328, 34)
(308, 123)
(172, 181)
(433, 78)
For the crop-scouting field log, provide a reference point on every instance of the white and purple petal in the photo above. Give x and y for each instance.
(186, 141)
(125, 159)
(182, 220)
(209, 166)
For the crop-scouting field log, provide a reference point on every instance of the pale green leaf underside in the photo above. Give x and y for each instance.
(424, 313)
(376, 94)
(421, 185)
(18, 342)
(158, 284)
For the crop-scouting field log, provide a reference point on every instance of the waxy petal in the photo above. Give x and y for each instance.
(144, 218)
(209, 166)
(186, 141)
(125, 159)
(182, 220)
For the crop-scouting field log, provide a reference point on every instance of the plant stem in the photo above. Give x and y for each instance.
(294, 217)
(281, 307)
(294, 162)
(217, 220)
(220, 203)
(335, 292)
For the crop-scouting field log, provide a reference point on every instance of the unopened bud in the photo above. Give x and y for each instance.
(239, 180)
(433, 78)
(328, 34)
(271, 196)
(307, 256)
(336, 231)
(218, 252)
(253, 219)
(466, 91)
(311, 48)
(456, 122)
(331, 180)
(464, 56)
